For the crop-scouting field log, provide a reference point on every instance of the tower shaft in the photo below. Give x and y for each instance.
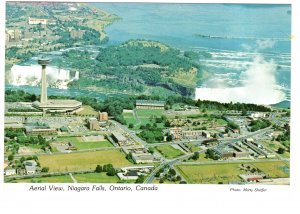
(44, 85)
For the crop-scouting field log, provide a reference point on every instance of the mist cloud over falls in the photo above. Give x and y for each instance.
(258, 83)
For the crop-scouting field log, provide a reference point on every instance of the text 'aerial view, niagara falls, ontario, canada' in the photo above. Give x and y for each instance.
(153, 93)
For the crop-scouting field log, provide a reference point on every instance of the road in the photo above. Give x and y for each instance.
(171, 163)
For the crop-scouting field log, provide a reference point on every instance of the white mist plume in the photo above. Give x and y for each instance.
(258, 83)
(31, 75)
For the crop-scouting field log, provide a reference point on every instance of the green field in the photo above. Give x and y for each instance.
(83, 160)
(82, 145)
(93, 145)
(145, 115)
(52, 179)
(210, 173)
(129, 117)
(228, 172)
(276, 169)
(169, 151)
(95, 178)
(193, 147)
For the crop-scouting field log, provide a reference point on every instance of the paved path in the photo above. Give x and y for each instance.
(72, 177)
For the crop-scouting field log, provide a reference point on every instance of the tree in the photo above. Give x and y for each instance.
(111, 171)
(130, 126)
(140, 179)
(10, 157)
(169, 138)
(280, 150)
(195, 156)
(98, 168)
(22, 159)
(45, 169)
(172, 172)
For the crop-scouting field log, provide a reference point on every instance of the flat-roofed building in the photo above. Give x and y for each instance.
(119, 138)
(143, 158)
(231, 151)
(150, 104)
(103, 116)
(39, 129)
(93, 124)
(253, 177)
(175, 132)
(191, 134)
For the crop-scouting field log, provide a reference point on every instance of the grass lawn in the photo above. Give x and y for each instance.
(81, 145)
(169, 151)
(69, 139)
(95, 178)
(193, 147)
(276, 169)
(228, 172)
(92, 145)
(129, 118)
(210, 173)
(145, 115)
(52, 179)
(83, 160)
(201, 158)
(87, 110)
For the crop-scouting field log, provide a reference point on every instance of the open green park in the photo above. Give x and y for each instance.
(169, 151)
(227, 172)
(83, 160)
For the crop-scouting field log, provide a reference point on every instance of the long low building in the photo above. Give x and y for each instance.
(119, 138)
(150, 104)
(39, 129)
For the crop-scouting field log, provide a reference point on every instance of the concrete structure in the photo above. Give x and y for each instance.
(231, 151)
(103, 116)
(150, 104)
(191, 134)
(253, 177)
(175, 132)
(62, 106)
(257, 148)
(119, 138)
(93, 124)
(35, 21)
(10, 171)
(143, 158)
(39, 129)
(43, 63)
(30, 167)
(132, 173)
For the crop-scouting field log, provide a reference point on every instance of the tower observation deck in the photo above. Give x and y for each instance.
(54, 105)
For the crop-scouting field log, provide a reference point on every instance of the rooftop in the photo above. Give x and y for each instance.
(150, 102)
(119, 136)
